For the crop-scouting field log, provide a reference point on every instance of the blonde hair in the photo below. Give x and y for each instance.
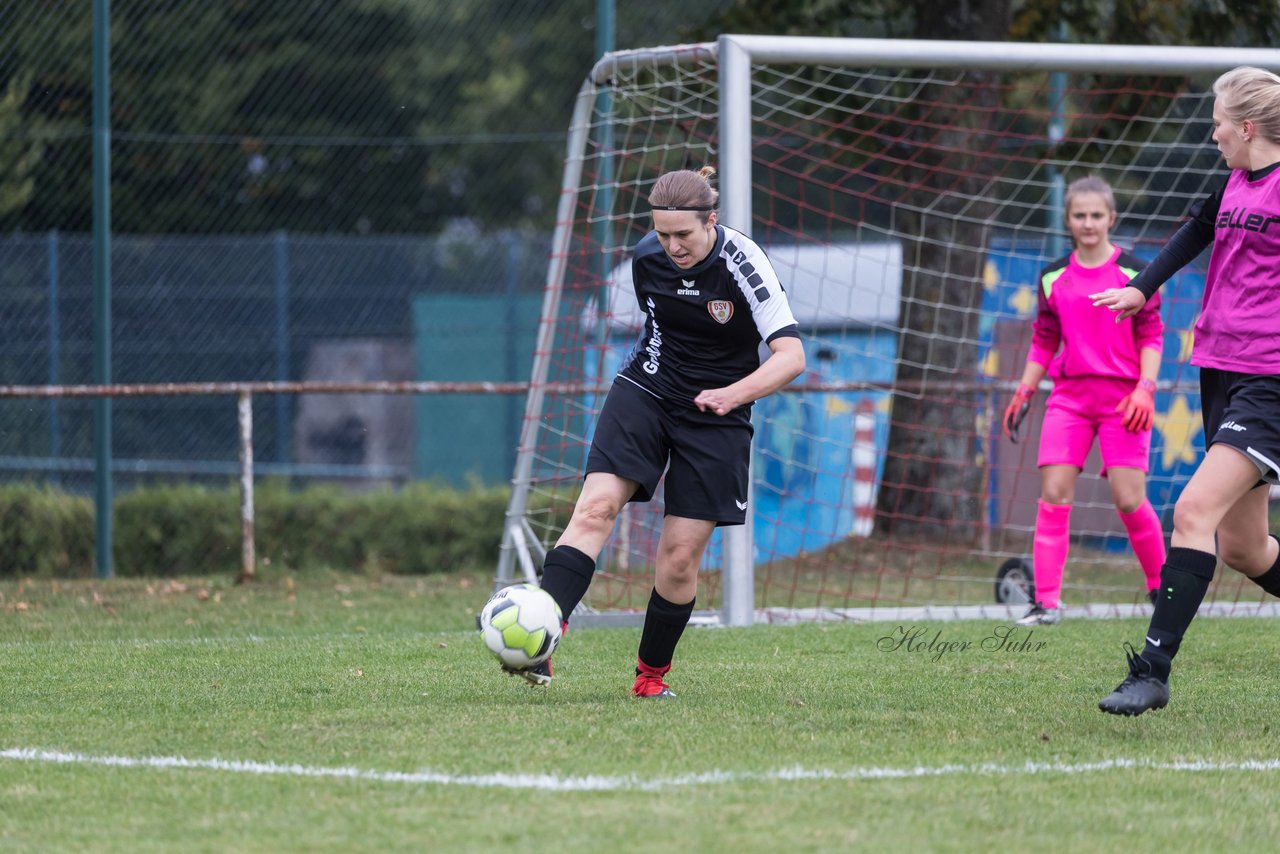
(1253, 94)
(686, 189)
(1089, 184)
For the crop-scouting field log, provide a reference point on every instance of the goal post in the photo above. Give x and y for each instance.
(905, 192)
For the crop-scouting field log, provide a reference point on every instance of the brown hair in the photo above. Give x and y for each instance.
(686, 190)
(1252, 94)
(1088, 184)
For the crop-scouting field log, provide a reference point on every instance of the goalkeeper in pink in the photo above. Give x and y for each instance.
(1104, 377)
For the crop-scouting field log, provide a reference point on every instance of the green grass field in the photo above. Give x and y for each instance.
(339, 713)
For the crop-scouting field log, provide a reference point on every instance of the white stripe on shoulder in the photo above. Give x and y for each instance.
(759, 284)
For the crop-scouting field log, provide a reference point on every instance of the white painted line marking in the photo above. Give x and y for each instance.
(597, 783)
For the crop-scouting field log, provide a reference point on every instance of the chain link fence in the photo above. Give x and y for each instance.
(299, 190)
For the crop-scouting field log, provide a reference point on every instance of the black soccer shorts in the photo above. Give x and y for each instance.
(1243, 411)
(706, 456)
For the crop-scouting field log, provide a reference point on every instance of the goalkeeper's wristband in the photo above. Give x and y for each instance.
(1147, 385)
(1024, 391)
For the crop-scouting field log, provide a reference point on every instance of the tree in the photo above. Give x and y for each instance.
(19, 156)
(929, 485)
(258, 116)
(225, 116)
(45, 50)
(348, 116)
(1243, 23)
(492, 94)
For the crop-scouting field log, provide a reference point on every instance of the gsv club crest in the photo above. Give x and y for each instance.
(721, 310)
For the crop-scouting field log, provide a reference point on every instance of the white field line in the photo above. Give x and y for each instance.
(596, 783)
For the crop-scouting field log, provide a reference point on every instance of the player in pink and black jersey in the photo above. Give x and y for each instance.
(1103, 388)
(1222, 512)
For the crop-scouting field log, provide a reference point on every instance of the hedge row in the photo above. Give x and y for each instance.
(194, 530)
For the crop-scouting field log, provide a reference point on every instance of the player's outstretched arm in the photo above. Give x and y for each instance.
(1125, 302)
(785, 363)
(1187, 242)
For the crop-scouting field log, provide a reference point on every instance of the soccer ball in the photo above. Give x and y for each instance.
(521, 625)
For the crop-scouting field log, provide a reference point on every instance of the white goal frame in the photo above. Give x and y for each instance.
(521, 551)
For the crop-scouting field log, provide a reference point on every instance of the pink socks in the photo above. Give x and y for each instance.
(1049, 552)
(1053, 532)
(1147, 538)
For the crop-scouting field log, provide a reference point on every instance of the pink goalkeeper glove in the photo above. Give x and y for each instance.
(1138, 407)
(1017, 410)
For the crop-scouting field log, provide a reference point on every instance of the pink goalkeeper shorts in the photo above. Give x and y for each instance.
(1080, 409)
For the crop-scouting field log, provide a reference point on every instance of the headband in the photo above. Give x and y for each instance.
(682, 207)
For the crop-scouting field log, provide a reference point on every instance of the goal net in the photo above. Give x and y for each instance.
(908, 194)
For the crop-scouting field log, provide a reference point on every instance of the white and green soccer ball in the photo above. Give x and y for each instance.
(521, 625)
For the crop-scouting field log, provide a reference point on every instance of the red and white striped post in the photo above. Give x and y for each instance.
(864, 467)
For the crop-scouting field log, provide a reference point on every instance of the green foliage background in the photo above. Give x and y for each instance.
(357, 116)
(395, 116)
(182, 530)
(368, 117)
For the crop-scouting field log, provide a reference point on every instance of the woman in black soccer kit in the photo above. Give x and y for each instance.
(680, 403)
(1223, 509)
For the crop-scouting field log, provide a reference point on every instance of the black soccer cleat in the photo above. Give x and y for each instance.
(1039, 615)
(1141, 689)
(538, 674)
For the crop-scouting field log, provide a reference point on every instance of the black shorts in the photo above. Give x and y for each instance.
(1243, 411)
(706, 456)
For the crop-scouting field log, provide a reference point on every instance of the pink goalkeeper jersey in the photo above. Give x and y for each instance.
(1239, 326)
(1093, 344)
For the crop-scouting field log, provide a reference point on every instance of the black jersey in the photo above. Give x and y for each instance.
(703, 326)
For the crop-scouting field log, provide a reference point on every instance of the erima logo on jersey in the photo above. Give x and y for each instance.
(742, 505)
(687, 289)
(1231, 425)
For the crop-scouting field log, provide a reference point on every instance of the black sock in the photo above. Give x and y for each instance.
(566, 575)
(1184, 580)
(1270, 580)
(664, 622)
